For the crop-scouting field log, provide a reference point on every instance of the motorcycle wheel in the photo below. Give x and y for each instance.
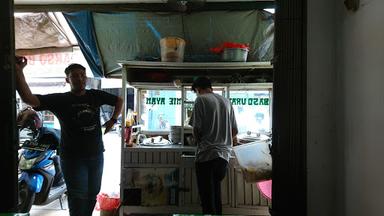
(26, 198)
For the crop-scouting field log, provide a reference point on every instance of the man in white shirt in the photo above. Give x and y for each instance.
(214, 128)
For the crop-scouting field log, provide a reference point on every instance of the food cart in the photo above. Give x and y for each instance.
(158, 177)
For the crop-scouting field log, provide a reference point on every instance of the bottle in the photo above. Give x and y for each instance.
(129, 121)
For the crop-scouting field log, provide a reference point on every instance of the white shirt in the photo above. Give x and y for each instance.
(214, 118)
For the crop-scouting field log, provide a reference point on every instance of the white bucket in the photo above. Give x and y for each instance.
(172, 49)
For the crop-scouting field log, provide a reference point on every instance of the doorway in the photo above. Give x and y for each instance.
(289, 113)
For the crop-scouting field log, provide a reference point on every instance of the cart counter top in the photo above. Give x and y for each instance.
(180, 148)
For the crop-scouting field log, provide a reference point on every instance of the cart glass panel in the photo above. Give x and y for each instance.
(252, 110)
(159, 109)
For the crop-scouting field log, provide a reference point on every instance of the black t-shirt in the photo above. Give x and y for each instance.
(79, 118)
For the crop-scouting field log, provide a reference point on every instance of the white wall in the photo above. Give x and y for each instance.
(345, 67)
(361, 57)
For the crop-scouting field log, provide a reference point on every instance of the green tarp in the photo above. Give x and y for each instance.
(128, 35)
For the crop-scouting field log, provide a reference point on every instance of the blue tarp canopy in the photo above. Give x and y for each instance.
(82, 26)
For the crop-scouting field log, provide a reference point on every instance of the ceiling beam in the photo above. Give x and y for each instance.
(161, 7)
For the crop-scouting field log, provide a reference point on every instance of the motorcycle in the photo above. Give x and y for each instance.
(40, 177)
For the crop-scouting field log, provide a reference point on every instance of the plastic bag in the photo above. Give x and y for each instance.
(107, 202)
(255, 161)
(256, 175)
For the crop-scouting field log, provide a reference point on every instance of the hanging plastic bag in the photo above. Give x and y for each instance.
(255, 161)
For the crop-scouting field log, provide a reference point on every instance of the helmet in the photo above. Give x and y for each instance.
(29, 118)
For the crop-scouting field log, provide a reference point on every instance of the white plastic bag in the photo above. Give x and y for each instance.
(254, 160)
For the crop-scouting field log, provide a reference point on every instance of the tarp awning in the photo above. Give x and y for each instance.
(42, 33)
(106, 38)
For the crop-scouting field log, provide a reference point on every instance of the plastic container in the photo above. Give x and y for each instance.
(175, 134)
(235, 54)
(172, 49)
(128, 136)
(265, 187)
(254, 160)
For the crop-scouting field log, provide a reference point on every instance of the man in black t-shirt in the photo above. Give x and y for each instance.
(81, 144)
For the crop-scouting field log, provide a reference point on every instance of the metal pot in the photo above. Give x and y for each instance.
(235, 54)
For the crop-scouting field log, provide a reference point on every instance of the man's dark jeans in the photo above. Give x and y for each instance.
(83, 179)
(209, 176)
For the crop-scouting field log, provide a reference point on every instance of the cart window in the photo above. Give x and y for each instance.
(190, 98)
(159, 109)
(252, 110)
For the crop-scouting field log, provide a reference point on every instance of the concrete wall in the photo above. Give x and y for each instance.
(321, 110)
(345, 108)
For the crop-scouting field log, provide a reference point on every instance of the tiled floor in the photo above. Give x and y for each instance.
(110, 183)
